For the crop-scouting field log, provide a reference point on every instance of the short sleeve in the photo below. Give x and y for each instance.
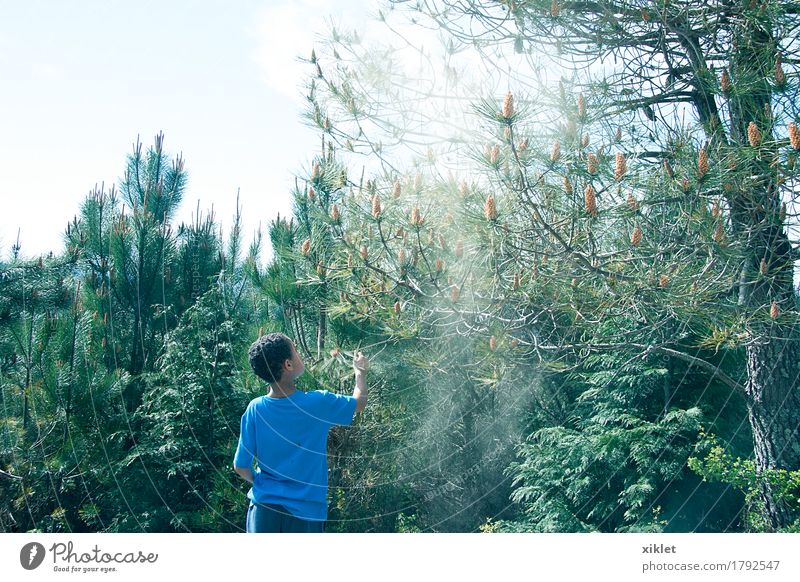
(336, 408)
(246, 450)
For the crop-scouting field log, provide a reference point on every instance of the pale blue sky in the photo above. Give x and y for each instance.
(81, 79)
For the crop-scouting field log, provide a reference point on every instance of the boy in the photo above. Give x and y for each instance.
(286, 432)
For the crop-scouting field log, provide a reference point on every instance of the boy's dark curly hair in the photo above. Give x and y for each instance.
(267, 355)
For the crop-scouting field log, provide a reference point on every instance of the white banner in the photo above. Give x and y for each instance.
(420, 557)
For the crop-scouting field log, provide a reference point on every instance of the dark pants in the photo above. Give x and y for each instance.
(269, 518)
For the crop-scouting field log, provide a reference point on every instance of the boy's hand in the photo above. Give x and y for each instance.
(360, 363)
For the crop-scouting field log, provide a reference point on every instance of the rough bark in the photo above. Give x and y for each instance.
(773, 404)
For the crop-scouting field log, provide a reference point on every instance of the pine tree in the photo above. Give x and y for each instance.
(72, 406)
(142, 245)
(189, 414)
(660, 218)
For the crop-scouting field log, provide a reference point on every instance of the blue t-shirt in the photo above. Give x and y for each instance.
(288, 438)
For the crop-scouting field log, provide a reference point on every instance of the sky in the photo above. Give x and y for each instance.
(82, 79)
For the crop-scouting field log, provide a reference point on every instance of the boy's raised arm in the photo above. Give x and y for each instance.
(360, 365)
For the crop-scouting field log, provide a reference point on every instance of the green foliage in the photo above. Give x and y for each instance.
(741, 474)
(189, 417)
(407, 524)
(119, 367)
(607, 467)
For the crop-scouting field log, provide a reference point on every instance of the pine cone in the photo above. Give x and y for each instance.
(489, 208)
(305, 247)
(774, 312)
(621, 166)
(591, 164)
(555, 154)
(794, 135)
(753, 135)
(567, 186)
(780, 76)
(632, 202)
(636, 237)
(702, 163)
(376, 206)
(591, 200)
(396, 189)
(719, 233)
(725, 81)
(494, 154)
(581, 106)
(508, 106)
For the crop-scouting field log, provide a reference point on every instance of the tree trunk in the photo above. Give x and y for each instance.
(754, 199)
(773, 349)
(773, 405)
